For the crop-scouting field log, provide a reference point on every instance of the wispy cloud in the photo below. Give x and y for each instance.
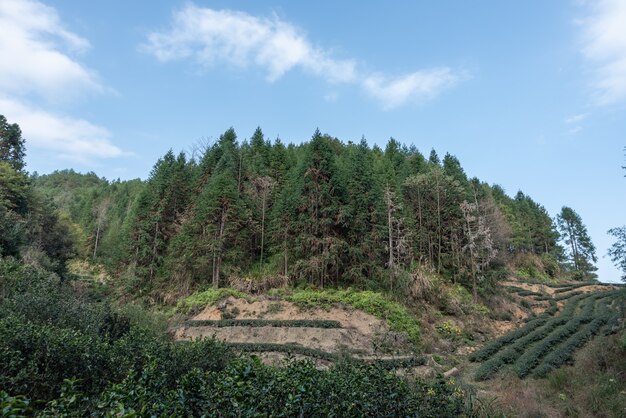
(211, 37)
(574, 130)
(418, 86)
(37, 66)
(67, 137)
(604, 45)
(576, 118)
(32, 44)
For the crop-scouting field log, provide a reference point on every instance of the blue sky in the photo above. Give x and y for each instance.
(530, 95)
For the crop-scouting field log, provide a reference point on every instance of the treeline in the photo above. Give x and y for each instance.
(30, 226)
(325, 213)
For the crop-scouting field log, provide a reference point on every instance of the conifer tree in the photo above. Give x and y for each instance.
(12, 149)
(365, 214)
(617, 251)
(581, 251)
(320, 245)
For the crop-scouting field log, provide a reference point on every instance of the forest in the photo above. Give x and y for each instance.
(322, 213)
(250, 215)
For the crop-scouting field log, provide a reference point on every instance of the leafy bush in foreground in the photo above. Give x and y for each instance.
(248, 388)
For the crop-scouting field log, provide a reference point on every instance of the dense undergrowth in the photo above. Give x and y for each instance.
(67, 351)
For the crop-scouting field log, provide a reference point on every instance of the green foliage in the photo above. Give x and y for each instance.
(494, 346)
(581, 251)
(449, 330)
(14, 406)
(286, 323)
(207, 297)
(247, 388)
(554, 338)
(617, 251)
(73, 368)
(320, 213)
(12, 150)
(374, 303)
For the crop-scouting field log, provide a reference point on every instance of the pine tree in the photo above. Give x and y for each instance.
(12, 149)
(157, 214)
(581, 251)
(365, 214)
(617, 251)
(320, 244)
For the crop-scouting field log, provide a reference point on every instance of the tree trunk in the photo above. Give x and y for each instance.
(262, 228)
(95, 247)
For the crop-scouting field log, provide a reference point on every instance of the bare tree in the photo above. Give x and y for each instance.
(399, 244)
(479, 248)
(263, 187)
(101, 210)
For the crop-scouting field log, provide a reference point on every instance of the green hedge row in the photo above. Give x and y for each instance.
(531, 358)
(401, 363)
(388, 364)
(286, 323)
(513, 351)
(531, 331)
(495, 346)
(572, 287)
(523, 292)
(564, 351)
(559, 297)
(284, 348)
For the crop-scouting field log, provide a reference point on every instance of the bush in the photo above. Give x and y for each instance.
(374, 303)
(207, 297)
(248, 388)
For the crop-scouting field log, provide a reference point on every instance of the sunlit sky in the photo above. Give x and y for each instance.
(530, 95)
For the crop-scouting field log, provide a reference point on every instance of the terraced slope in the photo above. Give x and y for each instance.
(547, 341)
(278, 328)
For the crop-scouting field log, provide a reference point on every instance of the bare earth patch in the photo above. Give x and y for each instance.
(361, 333)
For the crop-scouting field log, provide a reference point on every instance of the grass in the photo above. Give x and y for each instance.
(207, 297)
(397, 316)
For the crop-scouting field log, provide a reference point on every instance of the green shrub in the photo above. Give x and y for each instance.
(287, 323)
(208, 297)
(248, 388)
(14, 406)
(374, 303)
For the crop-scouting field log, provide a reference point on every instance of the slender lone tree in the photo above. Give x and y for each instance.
(12, 148)
(581, 251)
(617, 252)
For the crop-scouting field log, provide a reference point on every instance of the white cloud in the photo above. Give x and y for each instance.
(605, 47)
(67, 137)
(418, 86)
(211, 37)
(576, 118)
(32, 40)
(36, 65)
(575, 130)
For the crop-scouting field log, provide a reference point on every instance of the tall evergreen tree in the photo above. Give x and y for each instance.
(320, 245)
(581, 251)
(12, 149)
(365, 214)
(158, 213)
(617, 251)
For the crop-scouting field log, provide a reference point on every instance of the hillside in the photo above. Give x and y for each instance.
(392, 283)
(539, 334)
